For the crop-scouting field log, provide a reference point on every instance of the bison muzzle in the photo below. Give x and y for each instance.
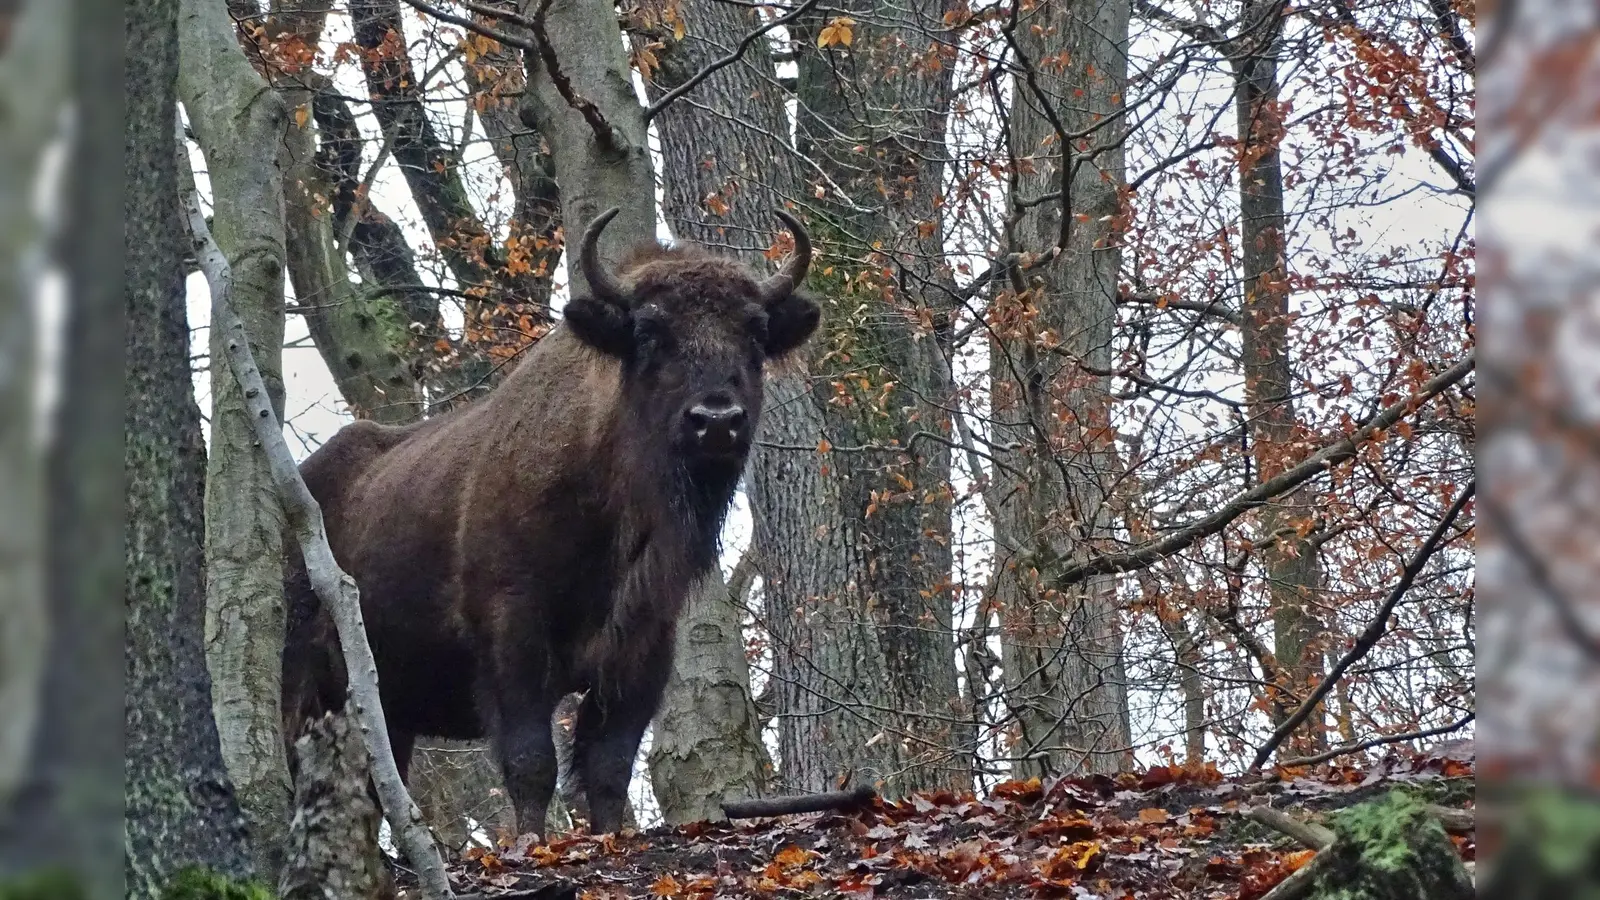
(542, 541)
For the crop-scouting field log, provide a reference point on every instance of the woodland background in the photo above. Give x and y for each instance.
(1140, 430)
(1099, 461)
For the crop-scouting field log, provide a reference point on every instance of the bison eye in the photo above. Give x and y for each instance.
(756, 327)
(651, 336)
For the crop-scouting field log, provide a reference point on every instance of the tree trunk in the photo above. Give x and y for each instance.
(723, 173)
(706, 740)
(873, 116)
(70, 794)
(361, 333)
(596, 170)
(1289, 559)
(32, 86)
(333, 812)
(239, 122)
(1062, 650)
(180, 805)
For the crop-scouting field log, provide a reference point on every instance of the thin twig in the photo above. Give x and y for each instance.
(711, 68)
(1357, 747)
(363, 191)
(1338, 452)
(1374, 630)
(504, 37)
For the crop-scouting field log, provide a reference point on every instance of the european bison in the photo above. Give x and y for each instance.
(542, 541)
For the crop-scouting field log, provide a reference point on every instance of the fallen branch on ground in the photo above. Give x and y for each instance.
(806, 803)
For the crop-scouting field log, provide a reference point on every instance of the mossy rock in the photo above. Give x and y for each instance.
(202, 884)
(1390, 849)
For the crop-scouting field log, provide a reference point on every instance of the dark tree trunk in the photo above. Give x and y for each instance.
(63, 811)
(1289, 558)
(726, 165)
(1065, 678)
(873, 117)
(180, 806)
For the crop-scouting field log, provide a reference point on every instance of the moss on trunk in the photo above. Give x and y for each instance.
(204, 884)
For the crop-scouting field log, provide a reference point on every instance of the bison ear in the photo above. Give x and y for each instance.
(790, 322)
(604, 326)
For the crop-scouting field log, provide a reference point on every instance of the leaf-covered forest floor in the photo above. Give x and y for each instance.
(1171, 832)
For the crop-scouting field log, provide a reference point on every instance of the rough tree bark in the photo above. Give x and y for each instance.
(724, 170)
(332, 808)
(1289, 558)
(180, 805)
(1061, 649)
(872, 115)
(239, 123)
(728, 161)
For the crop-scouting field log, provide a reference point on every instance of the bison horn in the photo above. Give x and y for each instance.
(791, 275)
(602, 284)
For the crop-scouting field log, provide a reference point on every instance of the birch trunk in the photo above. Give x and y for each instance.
(239, 122)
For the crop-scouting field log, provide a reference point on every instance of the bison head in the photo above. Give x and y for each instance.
(692, 332)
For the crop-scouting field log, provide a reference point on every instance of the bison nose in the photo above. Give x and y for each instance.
(717, 426)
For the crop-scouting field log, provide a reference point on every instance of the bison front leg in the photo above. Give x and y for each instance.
(520, 730)
(611, 724)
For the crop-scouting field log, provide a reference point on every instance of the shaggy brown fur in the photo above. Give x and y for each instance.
(544, 539)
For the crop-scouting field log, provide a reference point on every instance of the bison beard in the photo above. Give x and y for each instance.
(543, 540)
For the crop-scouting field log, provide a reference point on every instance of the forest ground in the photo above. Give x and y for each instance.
(1170, 832)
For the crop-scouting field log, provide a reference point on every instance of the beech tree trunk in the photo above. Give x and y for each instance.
(705, 743)
(724, 171)
(1290, 560)
(239, 122)
(180, 805)
(1065, 682)
(873, 117)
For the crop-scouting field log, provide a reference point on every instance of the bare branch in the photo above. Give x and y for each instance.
(1321, 461)
(504, 37)
(1347, 749)
(1374, 630)
(1544, 581)
(787, 806)
(1309, 833)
